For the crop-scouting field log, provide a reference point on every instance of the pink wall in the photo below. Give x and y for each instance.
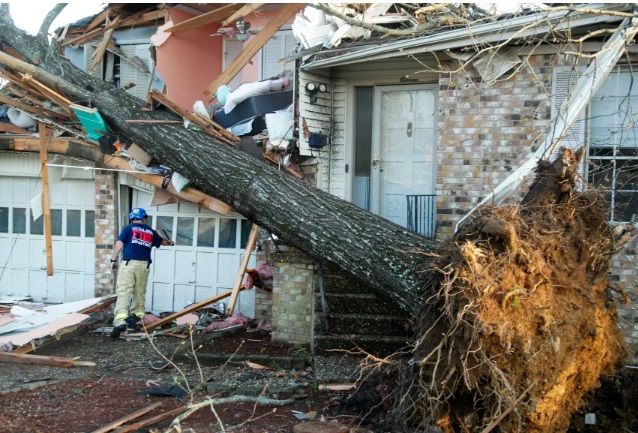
(188, 62)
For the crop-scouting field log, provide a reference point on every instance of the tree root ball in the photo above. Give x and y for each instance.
(519, 324)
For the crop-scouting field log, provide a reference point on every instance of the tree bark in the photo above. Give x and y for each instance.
(365, 246)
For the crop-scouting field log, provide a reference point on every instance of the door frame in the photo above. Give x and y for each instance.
(376, 136)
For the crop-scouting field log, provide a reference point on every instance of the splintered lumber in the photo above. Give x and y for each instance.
(288, 170)
(203, 19)
(211, 128)
(12, 129)
(98, 54)
(51, 94)
(138, 413)
(45, 135)
(245, 10)
(31, 109)
(253, 46)
(191, 309)
(51, 361)
(250, 246)
(149, 421)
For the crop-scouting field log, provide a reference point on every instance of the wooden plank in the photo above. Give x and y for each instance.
(51, 361)
(190, 309)
(250, 246)
(14, 90)
(189, 194)
(201, 20)
(247, 9)
(17, 81)
(153, 122)
(254, 45)
(286, 169)
(98, 20)
(138, 413)
(45, 134)
(51, 94)
(150, 421)
(12, 129)
(209, 127)
(38, 111)
(98, 54)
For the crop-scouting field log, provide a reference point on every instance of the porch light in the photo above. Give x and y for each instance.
(313, 88)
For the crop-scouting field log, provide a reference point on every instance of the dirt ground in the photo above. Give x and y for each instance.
(36, 399)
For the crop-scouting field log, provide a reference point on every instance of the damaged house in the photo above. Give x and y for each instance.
(358, 148)
(415, 114)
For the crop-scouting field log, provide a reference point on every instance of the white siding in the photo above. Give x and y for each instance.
(281, 45)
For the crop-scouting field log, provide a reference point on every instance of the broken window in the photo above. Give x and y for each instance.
(613, 144)
(227, 233)
(185, 227)
(206, 232)
(37, 227)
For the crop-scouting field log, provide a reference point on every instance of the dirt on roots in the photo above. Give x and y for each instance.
(521, 323)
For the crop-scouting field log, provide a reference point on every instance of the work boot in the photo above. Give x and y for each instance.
(133, 323)
(117, 330)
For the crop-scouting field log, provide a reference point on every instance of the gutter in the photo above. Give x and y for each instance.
(497, 31)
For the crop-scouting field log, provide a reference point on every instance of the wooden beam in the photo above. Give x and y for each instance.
(130, 21)
(98, 54)
(14, 90)
(209, 127)
(190, 309)
(288, 170)
(98, 20)
(12, 129)
(45, 135)
(38, 111)
(201, 20)
(253, 46)
(250, 246)
(245, 10)
(153, 122)
(51, 94)
(51, 361)
(17, 81)
(150, 421)
(138, 413)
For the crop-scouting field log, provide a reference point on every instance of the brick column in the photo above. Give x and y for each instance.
(293, 297)
(623, 275)
(105, 230)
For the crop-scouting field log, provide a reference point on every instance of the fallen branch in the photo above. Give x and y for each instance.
(51, 361)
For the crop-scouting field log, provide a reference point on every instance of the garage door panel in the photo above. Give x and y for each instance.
(19, 285)
(163, 265)
(58, 194)
(246, 304)
(89, 286)
(37, 283)
(184, 267)
(162, 297)
(74, 286)
(37, 254)
(5, 247)
(77, 193)
(89, 259)
(6, 187)
(58, 249)
(184, 295)
(74, 253)
(55, 287)
(204, 292)
(206, 270)
(227, 262)
(19, 256)
(20, 191)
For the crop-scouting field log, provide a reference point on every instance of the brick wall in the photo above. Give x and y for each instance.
(293, 297)
(105, 230)
(485, 132)
(623, 276)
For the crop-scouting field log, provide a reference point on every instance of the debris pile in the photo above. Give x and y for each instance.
(520, 324)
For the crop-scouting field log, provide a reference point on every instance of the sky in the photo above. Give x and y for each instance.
(28, 15)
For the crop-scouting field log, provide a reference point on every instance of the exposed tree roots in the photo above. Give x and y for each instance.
(520, 324)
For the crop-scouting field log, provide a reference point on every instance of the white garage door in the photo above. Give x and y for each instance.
(22, 252)
(204, 261)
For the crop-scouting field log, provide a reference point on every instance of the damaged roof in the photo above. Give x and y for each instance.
(519, 28)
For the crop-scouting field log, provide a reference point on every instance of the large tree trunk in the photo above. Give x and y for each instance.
(363, 245)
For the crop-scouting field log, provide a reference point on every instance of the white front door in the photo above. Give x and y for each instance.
(204, 261)
(403, 148)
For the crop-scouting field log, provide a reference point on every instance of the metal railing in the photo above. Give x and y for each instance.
(422, 214)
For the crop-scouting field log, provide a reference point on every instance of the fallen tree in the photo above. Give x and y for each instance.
(513, 322)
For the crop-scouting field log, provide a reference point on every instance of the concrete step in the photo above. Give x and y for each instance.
(376, 345)
(356, 303)
(369, 324)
